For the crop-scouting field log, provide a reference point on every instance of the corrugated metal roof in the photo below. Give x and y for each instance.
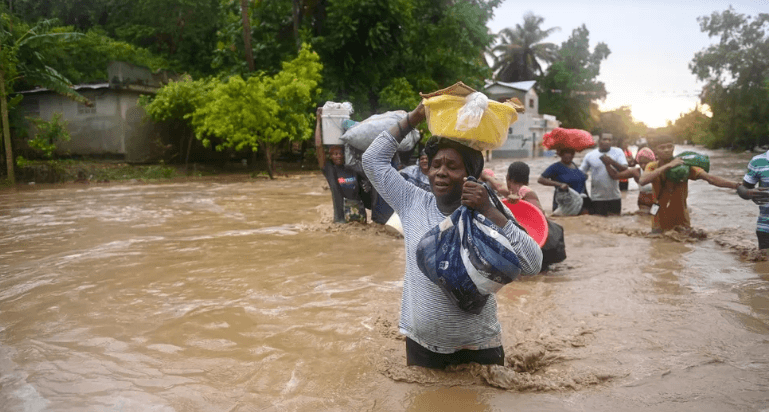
(93, 86)
(525, 86)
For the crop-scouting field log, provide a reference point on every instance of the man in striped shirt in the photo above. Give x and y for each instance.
(758, 173)
(438, 333)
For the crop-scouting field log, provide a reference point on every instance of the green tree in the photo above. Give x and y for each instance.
(569, 89)
(85, 58)
(48, 133)
(521, 50)
(620, 123)
(176, 102)
(23, 51)
(735, 72)
(694, 127)
(366, 45)
(181, 31)
(262, 110)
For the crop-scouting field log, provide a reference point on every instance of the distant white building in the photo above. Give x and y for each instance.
(524, 138)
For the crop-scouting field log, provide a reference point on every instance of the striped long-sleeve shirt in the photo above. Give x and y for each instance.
(427, 315)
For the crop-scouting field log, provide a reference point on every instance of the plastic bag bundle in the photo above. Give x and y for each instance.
(680, 173)
(361, 135)
(569, 203)
(470, 115)
(469, 258)
(574, 139)
(462, 114)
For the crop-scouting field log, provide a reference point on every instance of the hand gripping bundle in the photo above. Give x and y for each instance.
(462, 114)
(468, 257)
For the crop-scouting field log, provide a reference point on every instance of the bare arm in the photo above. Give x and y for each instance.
(625, 174)
(319, 152)
(549, 182)
(403, 126)
(532, 198)
(717, 181)
(649, 177)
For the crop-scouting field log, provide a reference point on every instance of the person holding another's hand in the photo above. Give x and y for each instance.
(671, 209)
(758, 174)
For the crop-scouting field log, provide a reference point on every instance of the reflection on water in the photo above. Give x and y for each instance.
(241, 295)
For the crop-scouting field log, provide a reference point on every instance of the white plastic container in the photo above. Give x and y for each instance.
(331, 121)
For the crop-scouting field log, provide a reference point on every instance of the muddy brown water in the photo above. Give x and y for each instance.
(242, 296)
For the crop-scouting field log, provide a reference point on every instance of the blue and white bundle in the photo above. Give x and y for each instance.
(468, 257)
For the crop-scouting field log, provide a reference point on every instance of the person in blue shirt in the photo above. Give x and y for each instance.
(564, 175)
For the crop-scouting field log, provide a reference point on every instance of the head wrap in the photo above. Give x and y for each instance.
(472, 158)
(645, 153)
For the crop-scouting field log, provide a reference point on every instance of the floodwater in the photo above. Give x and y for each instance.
(240, 295)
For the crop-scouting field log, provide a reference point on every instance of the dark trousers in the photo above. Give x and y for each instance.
(417, 355)
(606, 207)
(763, 240)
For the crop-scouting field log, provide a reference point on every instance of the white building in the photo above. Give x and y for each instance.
(524, 138)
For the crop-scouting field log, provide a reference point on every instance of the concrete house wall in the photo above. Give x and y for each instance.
(115, 125)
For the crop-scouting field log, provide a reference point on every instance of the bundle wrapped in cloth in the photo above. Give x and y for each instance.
(464, 115)
(574, 139)
(680, 173)
(469, 257)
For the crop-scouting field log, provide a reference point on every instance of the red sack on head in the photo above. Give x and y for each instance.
(574, 139)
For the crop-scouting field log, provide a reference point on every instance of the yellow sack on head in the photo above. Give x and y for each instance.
(470, 118)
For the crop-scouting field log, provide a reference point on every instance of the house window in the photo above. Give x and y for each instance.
(83, 109)
(531, 103)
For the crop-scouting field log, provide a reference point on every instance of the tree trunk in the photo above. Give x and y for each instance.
(296, 7)
(268, 156)
(189, 148)
(247, 34)
(6, 129)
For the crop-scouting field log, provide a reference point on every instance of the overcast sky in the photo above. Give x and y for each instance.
(652, 43)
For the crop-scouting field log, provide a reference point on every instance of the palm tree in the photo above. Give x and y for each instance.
(518, 56)
(22, 56)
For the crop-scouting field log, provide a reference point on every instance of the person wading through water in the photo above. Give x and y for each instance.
(438, 333)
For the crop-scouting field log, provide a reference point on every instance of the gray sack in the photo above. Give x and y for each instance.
(569, 203)
(361, 135)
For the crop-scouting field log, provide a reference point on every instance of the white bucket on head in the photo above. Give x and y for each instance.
(331, 121)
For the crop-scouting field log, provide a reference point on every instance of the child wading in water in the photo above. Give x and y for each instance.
(517, 181)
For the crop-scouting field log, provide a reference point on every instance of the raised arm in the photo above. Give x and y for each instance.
(376, 162)
(319, 152)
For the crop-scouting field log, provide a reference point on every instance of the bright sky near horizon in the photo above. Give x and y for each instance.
(652, 43)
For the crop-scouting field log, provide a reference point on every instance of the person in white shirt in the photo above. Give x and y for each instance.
(605, 195)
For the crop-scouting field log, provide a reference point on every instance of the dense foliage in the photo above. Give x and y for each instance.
(569, 89)
(736, 75)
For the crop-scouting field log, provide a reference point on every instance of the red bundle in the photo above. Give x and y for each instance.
(575, 139)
